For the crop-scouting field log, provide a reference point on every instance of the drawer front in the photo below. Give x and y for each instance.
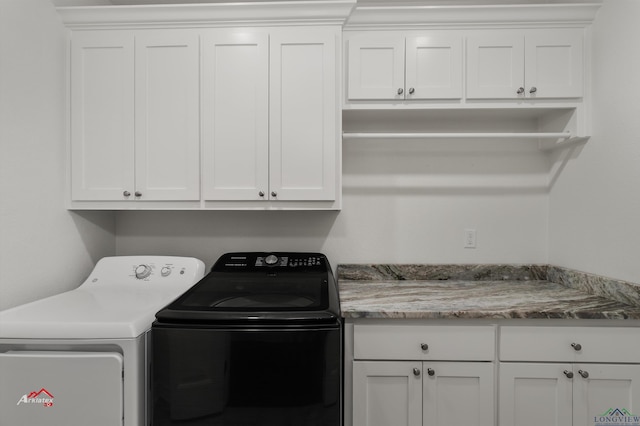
(570, 344)
(406, 342)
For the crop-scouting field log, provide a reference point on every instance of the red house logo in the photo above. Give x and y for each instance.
(42, 396)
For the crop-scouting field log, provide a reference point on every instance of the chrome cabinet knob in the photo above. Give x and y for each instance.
(400, 91)
(126, 193)
(431, 372)
(576, 346)
(412, 91)
(584, 374)
(416, 372)
(520, 91)
(138, 194)
(274, 194)
(261, 193)
(568, 373)
(424, 346)
(533, 89)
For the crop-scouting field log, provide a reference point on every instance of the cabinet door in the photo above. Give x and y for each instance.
(433, 67)
(304, 120)
(554, 64)
(535, 394)
(235, 115)
(387, 393)
(376, 68)
(167, 115)
(495, 65)
(458, 394)
(102, 128)
(610, 391)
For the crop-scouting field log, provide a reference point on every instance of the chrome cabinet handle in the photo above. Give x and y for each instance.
(576, 346)
(568, 373)
(411, 90)
(534, 89)
(431, 372)
(126, 193)
(584, 374)
(416, 372)
(261, 193)
(400, 91)
(138, 194)
(424, 346)
(274, 194)
(520, 91)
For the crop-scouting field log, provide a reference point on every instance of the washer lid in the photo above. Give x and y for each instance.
(257, 292)
(260, 287)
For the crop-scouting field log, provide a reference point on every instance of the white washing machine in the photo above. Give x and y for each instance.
(79, 358)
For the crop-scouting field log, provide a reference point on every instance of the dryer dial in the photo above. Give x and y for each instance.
(143, 271)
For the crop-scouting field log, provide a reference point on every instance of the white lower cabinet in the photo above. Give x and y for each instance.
(413, 375)
(567, 394)
(406, 393)
(595, 379)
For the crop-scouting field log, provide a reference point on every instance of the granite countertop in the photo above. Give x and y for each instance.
(392, 291)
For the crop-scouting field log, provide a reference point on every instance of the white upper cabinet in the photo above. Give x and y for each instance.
(167, 115)
(235, 142)
(495, 66)
(134, 109)
(395, 67)
(376, 68)
(510, 64)
(304, 114)
(554, 64)
(433, 67)
(179, 107)
(102, 128)
(270, 115)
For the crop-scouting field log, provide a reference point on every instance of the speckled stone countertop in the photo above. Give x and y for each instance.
(467, 291)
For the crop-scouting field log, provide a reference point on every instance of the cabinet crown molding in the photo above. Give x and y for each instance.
(419, 15)
(325, 12)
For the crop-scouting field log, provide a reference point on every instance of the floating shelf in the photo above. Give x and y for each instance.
(449, 135)
(563, 139)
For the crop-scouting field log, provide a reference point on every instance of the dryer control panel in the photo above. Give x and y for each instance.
(170, 270)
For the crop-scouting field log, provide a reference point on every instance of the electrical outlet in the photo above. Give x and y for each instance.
(470, 238)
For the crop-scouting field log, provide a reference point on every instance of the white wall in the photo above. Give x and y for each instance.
(595, 203)
(407, 202)
(44, 249)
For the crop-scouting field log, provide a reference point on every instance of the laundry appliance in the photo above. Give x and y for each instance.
(80, 358)
(257, 342)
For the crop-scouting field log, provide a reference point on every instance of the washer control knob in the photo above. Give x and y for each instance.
(143, 271)
(165, 271)
(271, 259)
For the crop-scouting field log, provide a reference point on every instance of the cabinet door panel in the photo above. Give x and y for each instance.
(303, 130)
(167, 115)
(236, 115)
(376, 68)
(554, 63)
(535, 394)
(458, 394)
(102, 129)
(387, 394)
(434, 67)
(495, 66)
(610, 391)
